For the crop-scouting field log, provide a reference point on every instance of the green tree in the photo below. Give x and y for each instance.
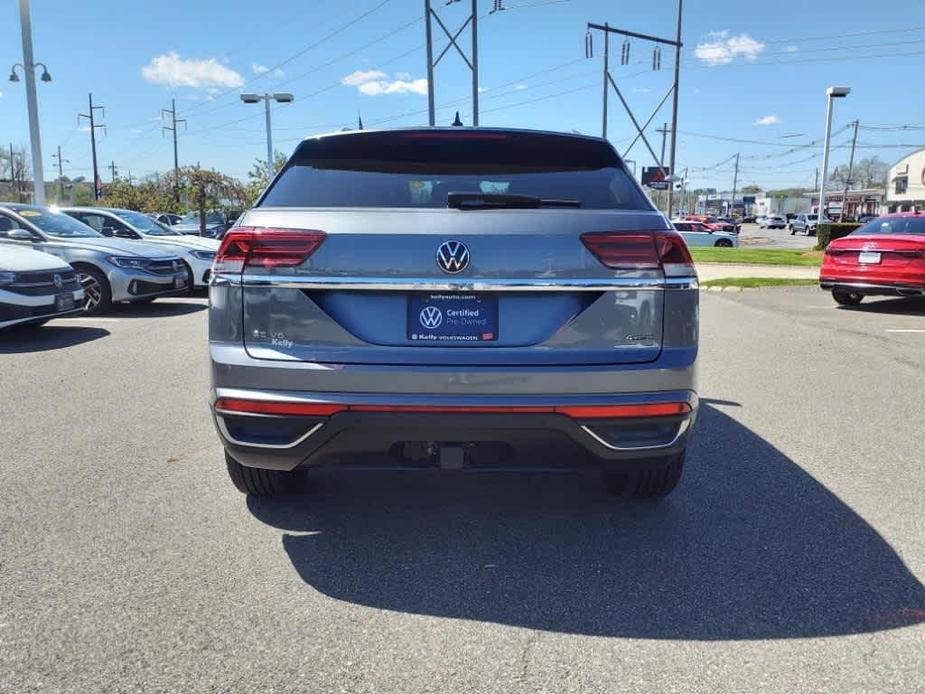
(257, 179)
(751, 189)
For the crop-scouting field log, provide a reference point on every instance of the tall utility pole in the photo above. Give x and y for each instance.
(91, 116)
(429, 17)
(681, 204)
(35, 137)
(60, 164)
(172, 111)
(735, 183)
(115, 171)
(674, 102)
(816, 180)
(661, 161)
(844, 199)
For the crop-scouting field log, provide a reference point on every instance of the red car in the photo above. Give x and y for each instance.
(712, 223)
(884, 257)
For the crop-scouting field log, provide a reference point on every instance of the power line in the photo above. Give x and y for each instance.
(327, 37)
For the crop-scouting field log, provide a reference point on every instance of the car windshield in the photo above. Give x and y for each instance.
(812, 217)
(144, 223)
(420, 169)
(193, 218)
(56, 223)
(893, 225)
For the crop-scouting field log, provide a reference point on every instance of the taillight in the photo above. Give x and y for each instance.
(649, 251)
(622, 251)
(261, 247)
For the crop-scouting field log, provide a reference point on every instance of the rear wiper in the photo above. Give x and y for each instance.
(489, 201)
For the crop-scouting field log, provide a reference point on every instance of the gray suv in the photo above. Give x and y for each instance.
(110, 270)
(447, 297)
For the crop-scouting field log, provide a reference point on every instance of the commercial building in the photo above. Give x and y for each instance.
(853, 205)
(905, 189)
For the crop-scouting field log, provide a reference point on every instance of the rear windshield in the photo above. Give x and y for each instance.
(894, 225)
(419, 169)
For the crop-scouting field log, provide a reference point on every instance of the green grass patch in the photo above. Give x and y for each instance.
(758, 256)
(753, 282)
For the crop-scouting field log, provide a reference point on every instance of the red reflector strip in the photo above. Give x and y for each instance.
(454, 135)
(306, 409)
(662, 409)
(461, 409)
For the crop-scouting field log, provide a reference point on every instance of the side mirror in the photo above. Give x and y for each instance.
(106, 231)
(19, 235)
(124, 234)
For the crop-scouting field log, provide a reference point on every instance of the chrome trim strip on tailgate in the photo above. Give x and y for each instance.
(529, 284)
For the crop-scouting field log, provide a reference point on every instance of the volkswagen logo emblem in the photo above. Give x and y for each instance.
(431, 317)
(58, 280)
(453, 256)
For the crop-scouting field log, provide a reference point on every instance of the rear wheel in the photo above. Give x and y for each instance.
(260, 482)
(847, 298)
(645, 480)
(723, 243)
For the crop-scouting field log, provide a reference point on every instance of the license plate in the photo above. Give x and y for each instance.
(452, 318)
(868, 258)
(64, 302)
(179, 282)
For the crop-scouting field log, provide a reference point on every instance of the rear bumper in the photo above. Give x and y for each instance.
(872, 288)
(285, 442)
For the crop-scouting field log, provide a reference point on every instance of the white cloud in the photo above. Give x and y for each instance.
(771, 119)
(376, 82)
(174, 71)
(355, 79)
(641, 90)
(791, 49)
(720, 48)
(259, 69)
(403, 75)
(519, 87)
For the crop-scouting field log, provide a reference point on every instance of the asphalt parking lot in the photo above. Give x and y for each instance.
(792, 557)
(753, 236)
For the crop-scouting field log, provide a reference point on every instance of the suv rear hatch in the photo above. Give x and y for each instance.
(364, 250)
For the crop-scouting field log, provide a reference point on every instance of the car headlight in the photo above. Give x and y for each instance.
(128, 261)
(7, 278)
(203, 255)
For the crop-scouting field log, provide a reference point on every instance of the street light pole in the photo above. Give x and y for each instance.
(831, 94)
(279, 97)
(38, 173)
(266, 103)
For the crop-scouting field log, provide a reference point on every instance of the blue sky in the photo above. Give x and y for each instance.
(750, 71)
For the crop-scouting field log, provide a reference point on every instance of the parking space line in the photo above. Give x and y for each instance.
(905, 330)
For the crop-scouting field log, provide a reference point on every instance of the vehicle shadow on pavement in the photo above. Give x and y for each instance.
(914, 306)
(156, 309)
(749, 547)
(47, 338)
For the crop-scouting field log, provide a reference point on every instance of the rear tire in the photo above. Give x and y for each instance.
(260, 482)
(723, 243)
(847, 298)
(647, 481)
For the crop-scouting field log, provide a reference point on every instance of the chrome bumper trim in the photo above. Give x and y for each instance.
(684, 426)
(529, 284)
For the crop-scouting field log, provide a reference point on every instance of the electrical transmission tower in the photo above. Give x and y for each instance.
(472, 61)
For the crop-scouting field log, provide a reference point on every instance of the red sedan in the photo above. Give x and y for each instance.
(712, 223)
(883, 257)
